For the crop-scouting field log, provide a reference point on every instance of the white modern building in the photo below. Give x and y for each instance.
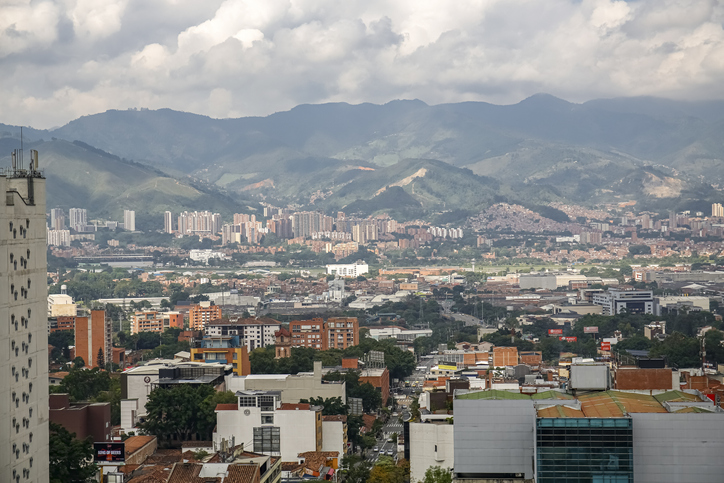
(632, 301)
(168, 222)
(24, 403)
(205, 255)
(431, 444)
(272, 427)
(252, 332)
(58, 238)
(129, 220)
(348, 269)
(380, 333)
(78, 218)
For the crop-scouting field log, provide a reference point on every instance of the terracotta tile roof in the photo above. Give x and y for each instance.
(226, 407)
(134, 443)
(243, 473)
(59, 374)
(293, 407)
(185, 473)
(335, 417)
(315, 460)
(290, 466)
(282, 332)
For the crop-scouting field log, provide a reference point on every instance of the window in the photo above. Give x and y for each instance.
(267, 419)
(247, 402)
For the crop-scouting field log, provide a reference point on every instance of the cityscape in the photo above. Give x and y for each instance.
(359, 242)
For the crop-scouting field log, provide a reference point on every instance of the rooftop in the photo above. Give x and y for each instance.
(603, 404)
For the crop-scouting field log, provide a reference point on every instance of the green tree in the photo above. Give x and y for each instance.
(100, 360)
(679, 350)
(178, 411)
(85, 384)
(436, 474)
(70, 458)
(330, 406)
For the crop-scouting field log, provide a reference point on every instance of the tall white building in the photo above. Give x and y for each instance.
(78, 217)
(129, 220)
(23, 331)
(57, 219)
(168, 222)
(59, 238)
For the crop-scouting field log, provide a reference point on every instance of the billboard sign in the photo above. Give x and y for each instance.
(605, 346)
(555, 331)
(590, 330)
(109, 453)
(568, 339)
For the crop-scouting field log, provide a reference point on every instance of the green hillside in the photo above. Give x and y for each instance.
(81, 176)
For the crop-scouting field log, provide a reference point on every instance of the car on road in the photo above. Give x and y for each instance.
(390, 452)
(375, 449)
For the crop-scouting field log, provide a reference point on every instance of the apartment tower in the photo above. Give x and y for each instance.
(93, 338)
(24, 327)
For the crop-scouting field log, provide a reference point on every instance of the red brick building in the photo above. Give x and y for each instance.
(93, 338)
(335, 333)
(82, 418)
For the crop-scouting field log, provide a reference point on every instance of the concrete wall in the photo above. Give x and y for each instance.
(24, 330)
(424, 439)
(333, 437)
(298, 430)
(671, 448)
(494, 437)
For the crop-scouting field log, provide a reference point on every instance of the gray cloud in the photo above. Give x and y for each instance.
(225, 58)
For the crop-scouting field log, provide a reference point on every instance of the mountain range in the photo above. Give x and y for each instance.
(403, 156)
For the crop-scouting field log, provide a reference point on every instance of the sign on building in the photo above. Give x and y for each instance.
(568, 339)
(605, 346)
(555, 331)
(590, 330)
(109, 453)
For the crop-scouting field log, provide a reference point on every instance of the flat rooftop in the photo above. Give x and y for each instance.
(603, 404)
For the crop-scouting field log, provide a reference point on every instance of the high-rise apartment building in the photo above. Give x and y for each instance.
(336, 332)
(78, 218)
(717, 210)
(57, 219)
(129, 220)
(24, 405)
(202, 314)
(59, 238)
(93, 338)
(168, 222)
(199, 223)
(304, 223)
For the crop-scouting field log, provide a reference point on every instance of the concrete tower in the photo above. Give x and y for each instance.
(23, 325)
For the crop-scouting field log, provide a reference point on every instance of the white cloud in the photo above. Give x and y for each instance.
(66, 58)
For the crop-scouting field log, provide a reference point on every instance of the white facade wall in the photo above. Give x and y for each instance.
(298, 431)
(671, 448)
(24, 332)
(333, 437)
(430, 445)
(348, 270)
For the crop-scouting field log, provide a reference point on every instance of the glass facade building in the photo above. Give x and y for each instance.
(584, 450)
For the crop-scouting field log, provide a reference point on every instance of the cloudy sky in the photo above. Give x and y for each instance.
(61, 59)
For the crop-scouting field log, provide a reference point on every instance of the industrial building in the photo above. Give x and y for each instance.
(599, 436)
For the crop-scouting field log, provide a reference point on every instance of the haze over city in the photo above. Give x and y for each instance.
(65, 59)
